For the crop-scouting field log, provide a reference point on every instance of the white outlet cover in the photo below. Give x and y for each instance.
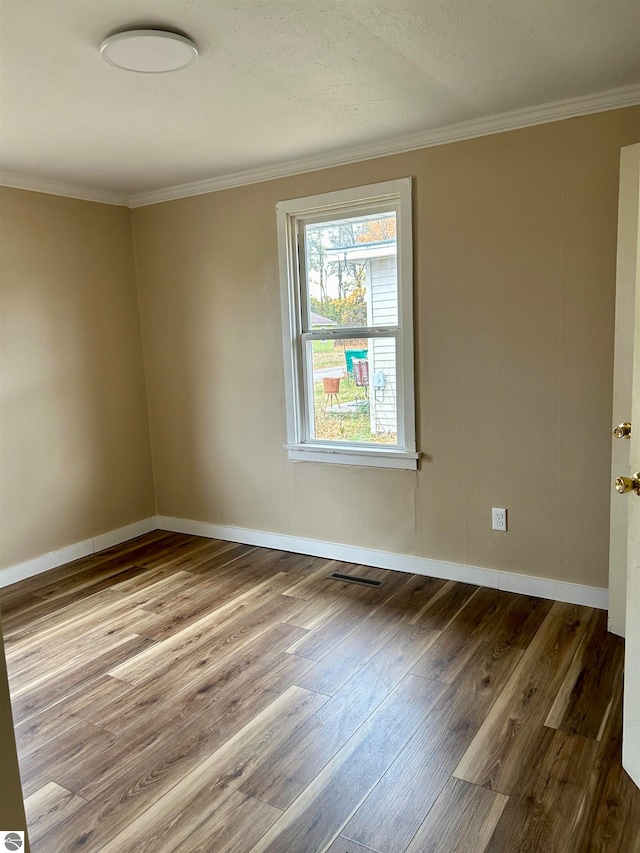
(499, 518)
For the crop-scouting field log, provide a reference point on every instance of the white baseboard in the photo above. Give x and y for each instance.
(68, 553)
(573, 593)
(123, 534)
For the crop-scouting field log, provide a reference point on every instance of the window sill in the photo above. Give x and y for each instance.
(370, 457)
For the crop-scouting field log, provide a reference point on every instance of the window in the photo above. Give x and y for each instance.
(347, 300)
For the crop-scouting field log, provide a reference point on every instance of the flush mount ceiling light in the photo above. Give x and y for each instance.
(148, 51)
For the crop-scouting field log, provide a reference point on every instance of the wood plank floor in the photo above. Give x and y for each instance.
(185, 694)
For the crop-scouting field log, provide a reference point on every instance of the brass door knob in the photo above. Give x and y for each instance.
(623, 430)
(628, 484)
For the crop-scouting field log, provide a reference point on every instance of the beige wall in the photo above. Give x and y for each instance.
(515, 247)
(74, 443)
(515, 238)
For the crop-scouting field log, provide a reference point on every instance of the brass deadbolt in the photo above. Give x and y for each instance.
(623, 430)
(628, 484)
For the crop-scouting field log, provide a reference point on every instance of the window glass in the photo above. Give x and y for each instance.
(351, 271)
(353, 390)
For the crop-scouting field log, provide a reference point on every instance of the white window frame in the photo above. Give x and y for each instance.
(292, 215)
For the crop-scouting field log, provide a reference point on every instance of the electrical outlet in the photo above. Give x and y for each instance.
(499, 518)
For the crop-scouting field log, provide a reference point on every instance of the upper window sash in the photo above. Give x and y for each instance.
(328, 215)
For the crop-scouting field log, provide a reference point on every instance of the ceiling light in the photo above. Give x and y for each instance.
(148, 51)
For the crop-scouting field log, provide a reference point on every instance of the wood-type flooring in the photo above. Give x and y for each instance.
(177, 693)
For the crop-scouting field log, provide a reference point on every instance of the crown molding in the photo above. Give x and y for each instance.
(68, 189)
(612, 99)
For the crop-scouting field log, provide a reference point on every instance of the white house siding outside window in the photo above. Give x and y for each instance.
(347, 310)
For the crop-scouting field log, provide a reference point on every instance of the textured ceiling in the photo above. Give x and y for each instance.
(285, 79)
